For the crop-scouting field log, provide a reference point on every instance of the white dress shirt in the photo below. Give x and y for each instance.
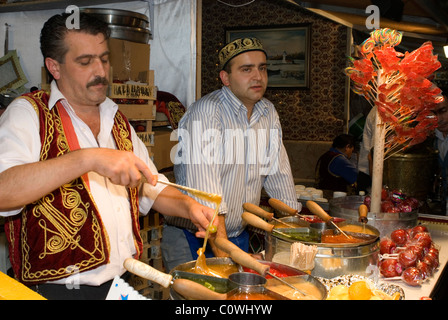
(222, 152)
(20, 144)
(368, 141)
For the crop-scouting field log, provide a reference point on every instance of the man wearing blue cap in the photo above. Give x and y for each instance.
(230, 143)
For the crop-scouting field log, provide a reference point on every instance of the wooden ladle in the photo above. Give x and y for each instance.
(259, 223)
(185, 287)
(362, 211)
(318, 211)
(246, 260)
(281, 206)
(252, 208)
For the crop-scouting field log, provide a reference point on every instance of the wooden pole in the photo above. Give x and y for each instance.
(378, 161)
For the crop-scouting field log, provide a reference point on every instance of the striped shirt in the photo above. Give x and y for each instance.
(220, 151)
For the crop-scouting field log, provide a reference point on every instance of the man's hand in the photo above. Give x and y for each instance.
(221, 233)
(172, 202)
(122, 167)
(23, 184)
(201, 216)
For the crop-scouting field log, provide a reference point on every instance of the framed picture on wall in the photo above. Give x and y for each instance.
(288, 50)
(11, 73)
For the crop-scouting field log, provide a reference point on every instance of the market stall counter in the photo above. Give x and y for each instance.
(344, 265)
(11, 289)
(409, 281)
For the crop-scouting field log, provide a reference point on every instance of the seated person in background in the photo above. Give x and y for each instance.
(334, 170)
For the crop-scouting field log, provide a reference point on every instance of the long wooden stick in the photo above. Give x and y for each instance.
(378, 164)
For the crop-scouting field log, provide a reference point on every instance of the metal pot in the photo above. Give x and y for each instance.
(412, 173)
(119, 17)
(371, 233)
(246, 279)
(385, 222)
(123, 24)
(245, 284)
(295, 273)
(240, 282)
(331, 259)
(131, 34)
(220, 285)
(210, 261)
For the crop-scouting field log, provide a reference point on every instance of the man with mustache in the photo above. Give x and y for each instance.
(230, 143)
(71, 168)
(98, 80)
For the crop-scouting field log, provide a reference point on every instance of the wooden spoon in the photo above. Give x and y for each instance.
(362, 211)
(252, 208)
(281, 206)
(245, 259)
(318, 211)
(259, 223)
(185, 287)
(241, 257)
(195, 291)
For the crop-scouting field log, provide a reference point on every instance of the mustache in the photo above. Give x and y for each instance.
(98, 80)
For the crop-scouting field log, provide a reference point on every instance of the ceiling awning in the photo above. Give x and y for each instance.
(419, 20)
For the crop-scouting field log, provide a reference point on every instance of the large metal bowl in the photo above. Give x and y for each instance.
(331, 259)
(317, 228)
(225, 285)
(209, 261)
(119, 17)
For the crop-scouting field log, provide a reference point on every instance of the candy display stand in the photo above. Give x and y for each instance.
(398, 85)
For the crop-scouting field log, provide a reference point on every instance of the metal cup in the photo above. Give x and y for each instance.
(246, 279)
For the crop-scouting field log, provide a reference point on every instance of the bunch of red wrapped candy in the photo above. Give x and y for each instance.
(409, 254)
(394, 201)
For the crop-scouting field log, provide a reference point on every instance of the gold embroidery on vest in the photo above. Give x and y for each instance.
(60, 235)
(52, 274)
(62, 142)
(125, 143)
(61, 230)
(48, 123)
